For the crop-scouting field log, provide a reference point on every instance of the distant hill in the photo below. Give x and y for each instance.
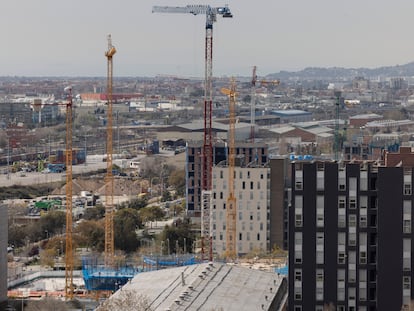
(315, 73)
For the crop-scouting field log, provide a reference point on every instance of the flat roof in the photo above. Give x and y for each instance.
(208, 286)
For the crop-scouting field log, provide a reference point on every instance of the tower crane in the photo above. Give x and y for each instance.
(231, 248)
(207, 163)
(69, 249)
(253, 99)
(109, 178)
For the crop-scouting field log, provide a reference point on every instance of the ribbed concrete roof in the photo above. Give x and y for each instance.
(213, 286)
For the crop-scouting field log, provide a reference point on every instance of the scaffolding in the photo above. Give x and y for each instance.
(99, 277)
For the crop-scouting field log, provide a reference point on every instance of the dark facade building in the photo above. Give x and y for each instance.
(350, 232)
(280, 193)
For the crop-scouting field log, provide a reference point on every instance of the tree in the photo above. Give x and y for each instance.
(151, 213)
(166, 196)
(177, 180)
(136, 203)
(126, 300)
(90, 233)
(53, 222)
(180, 231)
(17, 235)
(94, 213)
(126, 222)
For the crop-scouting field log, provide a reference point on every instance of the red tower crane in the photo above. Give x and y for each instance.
(207, 163)
(109, 178)
(69, 260)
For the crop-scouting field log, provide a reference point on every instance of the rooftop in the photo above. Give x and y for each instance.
(209, 286)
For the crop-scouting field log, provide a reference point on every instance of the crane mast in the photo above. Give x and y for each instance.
(253, 99)
(207, 159)
(69, 248)
(231, 212)
(253, 105)
(109, 179)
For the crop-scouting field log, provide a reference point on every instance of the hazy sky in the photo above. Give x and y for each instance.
(68, 38)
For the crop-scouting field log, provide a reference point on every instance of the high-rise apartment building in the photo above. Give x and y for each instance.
(351, 239)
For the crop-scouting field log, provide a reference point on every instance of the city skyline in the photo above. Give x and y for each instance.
(49, 38)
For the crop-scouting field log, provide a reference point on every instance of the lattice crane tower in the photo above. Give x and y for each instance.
(69, 227)
(109, 178)
(211, 17)
(231, 209)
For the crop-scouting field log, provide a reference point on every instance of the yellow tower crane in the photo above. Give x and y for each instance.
(69, 250)
(109, 179)
(231, 247)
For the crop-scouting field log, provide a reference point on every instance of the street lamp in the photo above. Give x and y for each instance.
(168, 246)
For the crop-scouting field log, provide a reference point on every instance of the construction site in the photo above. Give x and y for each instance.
(106, 273)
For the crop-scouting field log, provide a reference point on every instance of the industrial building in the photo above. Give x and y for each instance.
(350, 232)
(207, 286)
(3, 252)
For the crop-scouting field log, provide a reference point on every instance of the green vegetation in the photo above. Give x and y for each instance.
(28, 192)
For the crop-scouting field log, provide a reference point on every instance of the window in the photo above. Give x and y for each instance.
(407, 216)
(341, 212)
(352, 220)
(407, 188)
(341, 257)
(352, 203)
(363, 221)
(363, 181)
(406, 282)
(251, 185)
(320, 217)
(248, 174)
(298, 211)
(221, 174)
(298, 275)
(298, 247)
(320, 247)
(320, 181)
(352, 239)
(298, 180)
(362, 285)
(406, 254)
(341, 180)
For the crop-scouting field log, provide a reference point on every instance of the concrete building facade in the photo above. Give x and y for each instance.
(350, 227)
(252, 192)
(245, 153)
